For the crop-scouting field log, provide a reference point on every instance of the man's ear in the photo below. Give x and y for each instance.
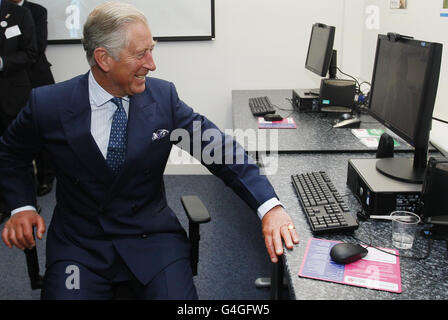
(102, 59)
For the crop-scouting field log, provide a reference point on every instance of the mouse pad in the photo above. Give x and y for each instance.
(377, 270)
(286, 123)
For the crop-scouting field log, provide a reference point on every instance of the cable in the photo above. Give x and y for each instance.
(345, 74)
(428, 250)
(362, 214)
(444, 121)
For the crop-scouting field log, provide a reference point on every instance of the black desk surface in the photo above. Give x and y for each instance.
(421, 280)
(314, 132)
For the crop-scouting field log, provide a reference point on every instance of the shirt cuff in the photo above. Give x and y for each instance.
(25, 208)
(268, 205)
(1, 64)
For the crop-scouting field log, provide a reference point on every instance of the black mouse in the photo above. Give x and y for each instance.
(347, 120)
(345, 116)
(272, 117)
(344, 253)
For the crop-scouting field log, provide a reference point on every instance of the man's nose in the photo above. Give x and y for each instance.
(149, 63)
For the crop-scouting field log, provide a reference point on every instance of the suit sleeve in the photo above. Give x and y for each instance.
(221, 154)
(26, 54)
(18, 147)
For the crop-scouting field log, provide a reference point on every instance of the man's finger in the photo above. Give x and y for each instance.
(13, 239)
(5, 237)
(19, 237)
(294, 235)
(277, 240)
(286, 235)
(270, 248)
(28, 235)
(40, 227)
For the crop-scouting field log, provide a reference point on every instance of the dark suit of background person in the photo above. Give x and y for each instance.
(17, 53)
(40, 74)
(118, 226)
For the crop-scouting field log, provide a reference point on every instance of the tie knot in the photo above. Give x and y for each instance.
(117, 101)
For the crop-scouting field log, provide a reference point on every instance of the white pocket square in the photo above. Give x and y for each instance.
(159, 134)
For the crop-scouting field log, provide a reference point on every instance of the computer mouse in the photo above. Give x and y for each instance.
(352, 122)
(344, 253)
(344, 116)
(273, 117)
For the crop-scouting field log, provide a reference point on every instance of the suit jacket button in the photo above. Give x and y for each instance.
(144, 235)
(135, 208)
(147, 172)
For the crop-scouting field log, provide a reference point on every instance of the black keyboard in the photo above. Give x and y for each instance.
(323, 206)
(261, 106)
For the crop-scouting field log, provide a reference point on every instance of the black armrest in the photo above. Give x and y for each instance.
(195, 209)
(32, 262)
(197, 213)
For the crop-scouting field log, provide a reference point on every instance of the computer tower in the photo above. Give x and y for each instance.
(305, 99)
(379, 194)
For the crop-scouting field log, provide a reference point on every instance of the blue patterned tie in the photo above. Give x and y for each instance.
(116, 151)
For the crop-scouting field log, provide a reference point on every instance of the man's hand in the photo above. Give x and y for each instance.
(277, 225)
(18, 230)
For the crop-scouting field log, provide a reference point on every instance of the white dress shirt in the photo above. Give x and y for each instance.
(101, 122)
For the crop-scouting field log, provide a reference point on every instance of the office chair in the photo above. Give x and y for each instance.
(197, 214)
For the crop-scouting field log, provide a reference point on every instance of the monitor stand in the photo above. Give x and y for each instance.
(405, 169)
(401, 169)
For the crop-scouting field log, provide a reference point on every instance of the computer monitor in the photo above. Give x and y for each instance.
(403, 92)
(320, 51)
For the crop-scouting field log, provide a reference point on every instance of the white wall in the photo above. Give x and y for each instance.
(259, 44)
(421, 20)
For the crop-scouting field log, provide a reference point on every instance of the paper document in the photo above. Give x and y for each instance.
(370, 137)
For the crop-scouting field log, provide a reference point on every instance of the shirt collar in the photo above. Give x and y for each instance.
(97, 95)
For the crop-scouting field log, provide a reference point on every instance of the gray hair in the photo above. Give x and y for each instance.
(106, 28)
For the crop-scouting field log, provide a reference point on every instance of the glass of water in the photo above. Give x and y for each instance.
(404, 227)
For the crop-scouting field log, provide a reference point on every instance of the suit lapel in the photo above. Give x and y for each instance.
(76, 120)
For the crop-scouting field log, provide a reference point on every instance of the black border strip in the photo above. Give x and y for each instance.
(161, 39)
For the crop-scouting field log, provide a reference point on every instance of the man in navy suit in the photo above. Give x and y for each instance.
(106, 132)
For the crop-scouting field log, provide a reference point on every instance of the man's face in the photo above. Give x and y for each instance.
(127, 75)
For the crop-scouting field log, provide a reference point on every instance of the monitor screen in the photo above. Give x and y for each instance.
(320, 49)
(404, 87)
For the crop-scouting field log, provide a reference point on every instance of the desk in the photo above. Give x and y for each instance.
(421, 280)
(314, 132)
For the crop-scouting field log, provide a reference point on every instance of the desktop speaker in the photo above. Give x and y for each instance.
(337, 95)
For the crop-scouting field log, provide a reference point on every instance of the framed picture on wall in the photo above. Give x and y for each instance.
(445, 4)
(398, 4)
(173, 20)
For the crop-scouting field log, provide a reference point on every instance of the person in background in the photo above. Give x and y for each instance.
(18, 52)
(40, 75)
